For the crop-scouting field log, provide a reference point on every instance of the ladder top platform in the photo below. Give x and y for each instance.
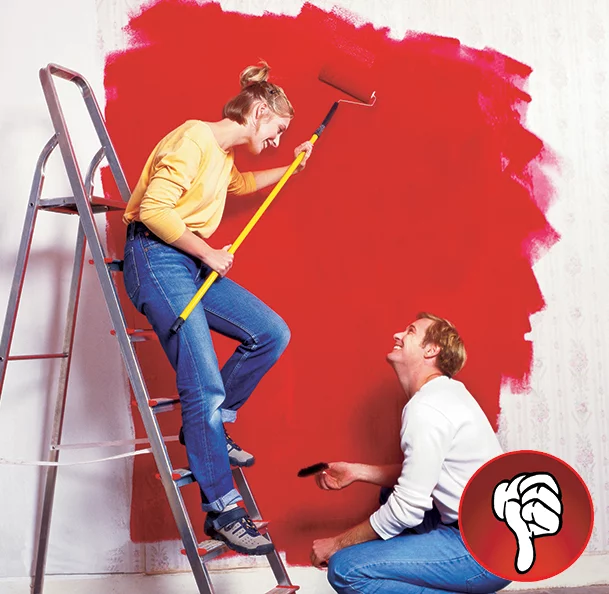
(67, 205)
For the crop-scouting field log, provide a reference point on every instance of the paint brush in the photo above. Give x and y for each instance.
(313, 469)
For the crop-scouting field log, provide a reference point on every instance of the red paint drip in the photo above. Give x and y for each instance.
(432, 200)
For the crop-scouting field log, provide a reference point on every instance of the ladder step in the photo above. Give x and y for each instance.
(209, 549)
(111, 263)
(160, 405)
(31, 357)
(139, 334)
(181, 476)
(115, 265)
(67, 205)
(284, 589)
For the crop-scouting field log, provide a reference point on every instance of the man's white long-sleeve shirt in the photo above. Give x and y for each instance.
(445, 438)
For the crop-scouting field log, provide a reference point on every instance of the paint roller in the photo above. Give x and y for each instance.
(345, 73)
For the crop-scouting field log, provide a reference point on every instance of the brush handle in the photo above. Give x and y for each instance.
(327, 119)
(214, 275)
(209, 281)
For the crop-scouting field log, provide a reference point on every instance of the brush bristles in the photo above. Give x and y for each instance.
(314, 469)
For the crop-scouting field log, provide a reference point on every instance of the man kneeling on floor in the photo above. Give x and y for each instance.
(412, 543)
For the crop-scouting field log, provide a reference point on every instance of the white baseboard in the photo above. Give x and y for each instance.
(588, 570)
(237, 581)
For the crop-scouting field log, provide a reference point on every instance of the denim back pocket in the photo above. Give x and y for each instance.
(130, 275)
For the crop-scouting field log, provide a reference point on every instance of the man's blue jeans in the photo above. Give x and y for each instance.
(160, 281)
(428, 559)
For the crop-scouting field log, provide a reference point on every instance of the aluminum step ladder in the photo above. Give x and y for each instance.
(86, 205)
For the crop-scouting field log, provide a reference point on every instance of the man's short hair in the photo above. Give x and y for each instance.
(441, 332)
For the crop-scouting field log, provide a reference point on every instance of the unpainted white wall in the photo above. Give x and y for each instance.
(91, 519)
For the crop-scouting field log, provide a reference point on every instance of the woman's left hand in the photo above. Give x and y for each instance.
(307, 148)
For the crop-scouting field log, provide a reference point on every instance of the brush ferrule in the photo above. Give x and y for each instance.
(327, 119)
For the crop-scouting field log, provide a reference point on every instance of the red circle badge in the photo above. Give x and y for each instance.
(526, 516)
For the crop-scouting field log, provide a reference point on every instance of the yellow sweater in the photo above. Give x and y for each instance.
(184, 184)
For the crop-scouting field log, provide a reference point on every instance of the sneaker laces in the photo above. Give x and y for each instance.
(231, 443)
(246, 524)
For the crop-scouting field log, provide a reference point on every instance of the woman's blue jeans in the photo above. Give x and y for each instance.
(428, 559)
(160, 281)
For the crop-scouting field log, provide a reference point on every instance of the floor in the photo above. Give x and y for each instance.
(583, 590)
(241, 581)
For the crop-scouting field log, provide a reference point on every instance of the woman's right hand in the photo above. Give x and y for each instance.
(338, 476)
(219, 260)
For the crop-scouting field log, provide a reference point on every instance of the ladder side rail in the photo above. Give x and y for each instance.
(81, 199)
(95, 162)
(98, 122)
(23, 256)
(245, 491)
(50, 477)
(274, 559)
(133, 369)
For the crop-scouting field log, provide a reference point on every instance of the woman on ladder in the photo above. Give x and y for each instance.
(176, 206)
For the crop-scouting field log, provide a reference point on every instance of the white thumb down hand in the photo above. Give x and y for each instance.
(530, 505)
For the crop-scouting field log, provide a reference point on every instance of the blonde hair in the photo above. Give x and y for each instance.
(255, 87)
(442, 333)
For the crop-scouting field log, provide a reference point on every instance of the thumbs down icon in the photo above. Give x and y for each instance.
(530, 504)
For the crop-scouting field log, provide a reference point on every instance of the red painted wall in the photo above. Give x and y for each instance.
(432, 200)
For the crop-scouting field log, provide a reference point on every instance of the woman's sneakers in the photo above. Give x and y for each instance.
(236, 529)
(237, 456)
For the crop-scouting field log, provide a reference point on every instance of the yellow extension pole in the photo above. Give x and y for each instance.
(209, 281)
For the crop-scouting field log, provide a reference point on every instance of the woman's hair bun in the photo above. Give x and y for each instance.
(254, 74)
(255, 88)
